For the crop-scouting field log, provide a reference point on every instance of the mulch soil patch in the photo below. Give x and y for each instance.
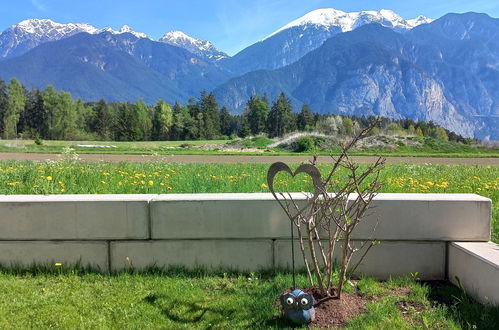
(331, 312)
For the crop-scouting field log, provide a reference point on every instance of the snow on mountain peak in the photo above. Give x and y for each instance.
(347, 21)
(127, 29)
(47, 27)
(196, 46)
(419, 20)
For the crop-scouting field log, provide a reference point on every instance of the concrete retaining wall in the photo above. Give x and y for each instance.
(242, 231)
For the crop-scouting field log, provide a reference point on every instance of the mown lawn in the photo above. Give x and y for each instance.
(61, 298)
(70, 177)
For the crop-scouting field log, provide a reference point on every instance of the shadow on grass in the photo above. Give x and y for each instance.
(469, 313)
(189, 312)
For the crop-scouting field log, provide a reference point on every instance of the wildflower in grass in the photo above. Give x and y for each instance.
(150, 182)
(263, 185)
(13, 184)
(58, 264)
(49, 178)
(103, 182)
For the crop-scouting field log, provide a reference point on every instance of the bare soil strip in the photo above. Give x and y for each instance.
(229, 159)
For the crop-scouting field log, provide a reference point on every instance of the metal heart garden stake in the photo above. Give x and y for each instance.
(315, 174)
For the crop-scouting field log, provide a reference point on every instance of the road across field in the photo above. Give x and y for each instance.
(244, 159)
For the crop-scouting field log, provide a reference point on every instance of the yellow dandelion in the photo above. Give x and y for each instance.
(150, 182)
(58, 264)
(263, 185)
(13, 184)
(49, 178)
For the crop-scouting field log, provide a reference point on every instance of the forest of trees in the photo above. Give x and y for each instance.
(55, 115)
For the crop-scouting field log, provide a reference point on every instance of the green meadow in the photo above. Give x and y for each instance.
(178, 299)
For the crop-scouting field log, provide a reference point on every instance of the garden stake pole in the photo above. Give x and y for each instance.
(293, 256)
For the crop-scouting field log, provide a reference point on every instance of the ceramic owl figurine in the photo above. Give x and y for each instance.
(298, 306)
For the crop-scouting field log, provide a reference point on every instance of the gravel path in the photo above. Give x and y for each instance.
(244, 159)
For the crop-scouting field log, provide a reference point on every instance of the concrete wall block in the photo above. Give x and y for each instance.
(476, 265)
(432, 217)
(236, 254)
(75, 217)
(439, 217)
(390, 258)
(217, 218)
(28, 253)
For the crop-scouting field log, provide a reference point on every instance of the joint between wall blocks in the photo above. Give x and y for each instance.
(149, 220)
(273, 256)
(109, 265)
(446, 261)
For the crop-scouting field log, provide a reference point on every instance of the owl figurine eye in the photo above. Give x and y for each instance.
(290, 301)
(304, 301)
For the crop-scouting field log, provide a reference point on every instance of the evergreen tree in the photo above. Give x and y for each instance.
(305, 120)
(225, 121)
(210, 127)
(178, 124)
(129, 127)
(162, 121)
(15, 105)
(243, 127)
(280, 120)
(257, 111)
(104, 120)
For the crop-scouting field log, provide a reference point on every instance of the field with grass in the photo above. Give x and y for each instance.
(177, 299)
(383, 145)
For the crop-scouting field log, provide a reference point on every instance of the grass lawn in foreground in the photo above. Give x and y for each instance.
(62, 298)
(69, 177)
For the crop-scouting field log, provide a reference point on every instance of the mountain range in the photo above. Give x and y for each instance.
(361, 63)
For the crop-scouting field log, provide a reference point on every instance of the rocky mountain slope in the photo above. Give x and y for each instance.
(445, 71)
(297, 38)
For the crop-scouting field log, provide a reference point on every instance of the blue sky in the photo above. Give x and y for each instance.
(230, 24)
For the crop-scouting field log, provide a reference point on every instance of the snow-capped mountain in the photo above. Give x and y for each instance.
(20, 38)
(123, 29)
(196, 46)
(297, 38)
(347, 21)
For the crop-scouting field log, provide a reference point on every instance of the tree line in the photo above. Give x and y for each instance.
(54, 115)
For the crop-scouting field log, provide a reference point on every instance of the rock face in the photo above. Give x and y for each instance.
(201, 48)
(291, 42)
(446, 71)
